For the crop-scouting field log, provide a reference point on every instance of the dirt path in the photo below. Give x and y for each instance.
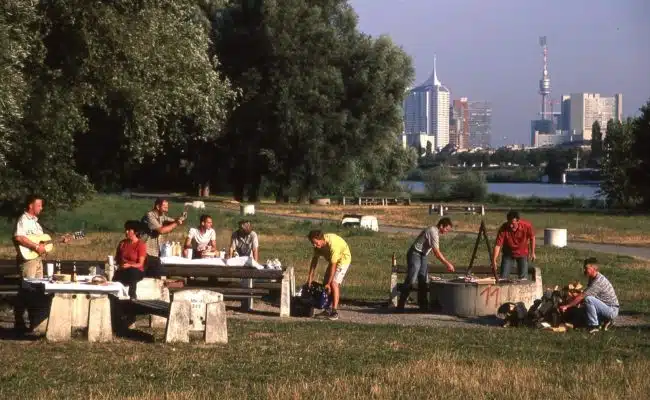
(380, 314)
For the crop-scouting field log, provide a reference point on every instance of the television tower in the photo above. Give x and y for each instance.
(545, 82)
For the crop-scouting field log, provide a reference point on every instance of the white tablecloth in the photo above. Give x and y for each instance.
(114, 288)
(215, 262)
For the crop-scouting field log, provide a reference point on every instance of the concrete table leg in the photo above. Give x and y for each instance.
(216, 329)
(178, 323)
(247, 304)
(100, 328)
(59, 324)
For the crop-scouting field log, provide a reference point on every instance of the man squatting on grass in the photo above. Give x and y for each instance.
(337, 253)
(601, 303)
(416, 260)
(514, 237)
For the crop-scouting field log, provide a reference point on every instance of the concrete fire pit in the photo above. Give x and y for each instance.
(476, 299)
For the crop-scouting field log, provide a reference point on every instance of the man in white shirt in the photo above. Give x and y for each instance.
(28, 225)
(203, 239)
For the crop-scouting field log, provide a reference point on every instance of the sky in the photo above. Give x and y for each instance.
(489, 50)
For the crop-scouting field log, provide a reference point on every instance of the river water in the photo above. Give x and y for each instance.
(542, 190)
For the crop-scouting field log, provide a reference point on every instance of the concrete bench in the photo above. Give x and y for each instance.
(190, 310)
(253, 283)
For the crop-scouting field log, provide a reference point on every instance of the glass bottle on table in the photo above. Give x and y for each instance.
(73, 277)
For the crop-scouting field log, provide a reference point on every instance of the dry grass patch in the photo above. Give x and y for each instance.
(598, 228)
(444, 376)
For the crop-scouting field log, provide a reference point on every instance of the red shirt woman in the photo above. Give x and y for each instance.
(130, 257)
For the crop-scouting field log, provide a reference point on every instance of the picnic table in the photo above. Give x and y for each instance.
(77, 305)
(255, 279)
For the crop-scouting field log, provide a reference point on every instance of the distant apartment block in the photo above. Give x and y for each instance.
(459, 123)
(480, 124)
(586, 108)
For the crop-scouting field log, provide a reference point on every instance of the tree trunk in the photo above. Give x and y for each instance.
(254, 189)
(238, 191)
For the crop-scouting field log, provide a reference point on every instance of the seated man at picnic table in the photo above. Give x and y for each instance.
(599, 299)
(244, 241)
(517, 239)
(202, 240)
(335, 250)
(130, 257)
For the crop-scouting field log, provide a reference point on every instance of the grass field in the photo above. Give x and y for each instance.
(596, 227)
(315, 360)
(319, 360)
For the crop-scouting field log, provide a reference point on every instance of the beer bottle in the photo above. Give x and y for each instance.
(73, 278)
(394, 261)
(58, 267)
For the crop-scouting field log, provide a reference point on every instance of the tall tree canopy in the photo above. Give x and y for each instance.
(111, 84)
(321, 101)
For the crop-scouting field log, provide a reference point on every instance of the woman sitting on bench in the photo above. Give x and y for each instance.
(130, 257)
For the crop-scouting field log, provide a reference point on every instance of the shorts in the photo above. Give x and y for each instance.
(340, 272)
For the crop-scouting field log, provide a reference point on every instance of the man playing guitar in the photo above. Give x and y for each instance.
(27, 225)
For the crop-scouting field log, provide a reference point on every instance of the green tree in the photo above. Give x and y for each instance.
(618, 166)
(469, 186)
(596, 142)
(317, 95)
(429, 150)
(35, 152)
(640, 175)
(438, 183)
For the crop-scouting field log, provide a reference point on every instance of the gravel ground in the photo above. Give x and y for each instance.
(367, 313)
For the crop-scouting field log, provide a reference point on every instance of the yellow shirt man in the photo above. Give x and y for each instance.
(337, 253)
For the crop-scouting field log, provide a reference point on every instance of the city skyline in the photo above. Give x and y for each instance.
(490, 51)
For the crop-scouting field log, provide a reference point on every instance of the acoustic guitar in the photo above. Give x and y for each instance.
(46, 240)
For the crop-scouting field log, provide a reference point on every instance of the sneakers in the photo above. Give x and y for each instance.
(331, 315)
(594, 329)
(334, 315)
(323, 314)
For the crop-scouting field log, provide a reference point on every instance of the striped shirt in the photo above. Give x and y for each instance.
(600, 288)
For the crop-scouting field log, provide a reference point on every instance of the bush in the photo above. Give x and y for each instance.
(438, 182)
(469, 186)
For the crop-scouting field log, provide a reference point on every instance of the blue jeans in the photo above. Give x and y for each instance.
(507, 262)
(598, 311)
(417, 268)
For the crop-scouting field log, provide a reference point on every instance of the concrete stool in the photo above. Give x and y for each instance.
(197, 310)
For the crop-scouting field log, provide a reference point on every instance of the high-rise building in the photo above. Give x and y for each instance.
(459, 123)
(480, 124)
(426, 111)
(586, 108)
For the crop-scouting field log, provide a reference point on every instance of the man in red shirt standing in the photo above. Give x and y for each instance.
(514, 237)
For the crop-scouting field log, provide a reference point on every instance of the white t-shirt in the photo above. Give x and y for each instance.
(28, 225)
(201, 240)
